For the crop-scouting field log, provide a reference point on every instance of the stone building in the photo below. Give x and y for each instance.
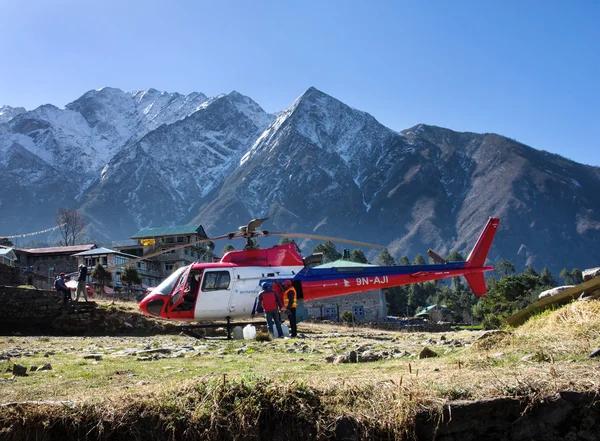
(368, 306)
(51, 261)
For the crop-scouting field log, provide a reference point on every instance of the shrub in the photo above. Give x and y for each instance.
(491, 321)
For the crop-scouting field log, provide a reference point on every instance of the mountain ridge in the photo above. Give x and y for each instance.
(129, 160)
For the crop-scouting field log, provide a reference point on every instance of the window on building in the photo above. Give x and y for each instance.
(180, 239)
(330, 313)
(169, 240)
(358, 311)
(168, 267)
(215, 280)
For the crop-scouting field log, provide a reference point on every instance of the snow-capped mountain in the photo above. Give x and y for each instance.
(160, 178)
(7, 113)
(139, 159)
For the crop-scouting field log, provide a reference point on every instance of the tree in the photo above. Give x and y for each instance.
(330, 253)
(285, 240)
(505, 268)
(546, 278)
(455, 256)
(385, 258)
(508, 295)
(419, 260)
(71, 226)
(566, 275)
(5, 242)
(404, 261)
(227, 248)
(130, 277)
(577, 276)
(101, 276)
(358, 256)
(529, 271)
(417, 297)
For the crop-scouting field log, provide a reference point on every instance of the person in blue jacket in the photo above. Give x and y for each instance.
(60, 286)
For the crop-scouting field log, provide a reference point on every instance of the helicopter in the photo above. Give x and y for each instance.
(227, 289)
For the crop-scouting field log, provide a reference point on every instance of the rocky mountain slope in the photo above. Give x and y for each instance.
(132, 160)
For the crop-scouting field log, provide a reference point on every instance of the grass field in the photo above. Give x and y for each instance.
(103, 374)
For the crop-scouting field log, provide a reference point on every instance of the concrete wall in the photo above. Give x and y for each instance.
(28, 307)
(373, 303)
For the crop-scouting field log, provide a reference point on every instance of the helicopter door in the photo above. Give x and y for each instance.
(176, 298)
(215, 295)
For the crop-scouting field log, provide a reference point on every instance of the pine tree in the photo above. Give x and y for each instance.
(419, 260)
(130, 277)
(101, 276)
(505, 268)
(546, 278)
(566, 275)
(330, 253)
(358, 256)
(577, 276)
(404, 261)
(455, 256)
(385, 258)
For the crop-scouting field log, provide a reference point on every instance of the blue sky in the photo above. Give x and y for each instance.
(525, 69)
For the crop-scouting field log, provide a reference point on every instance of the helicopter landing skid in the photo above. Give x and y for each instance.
(189, 329)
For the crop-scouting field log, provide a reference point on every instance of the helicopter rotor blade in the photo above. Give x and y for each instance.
(314, 236)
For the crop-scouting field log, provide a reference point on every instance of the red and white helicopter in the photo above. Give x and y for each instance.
(227, 290)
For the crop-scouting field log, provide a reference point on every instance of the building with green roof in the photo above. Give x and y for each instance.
(163, 232)
(183, 239)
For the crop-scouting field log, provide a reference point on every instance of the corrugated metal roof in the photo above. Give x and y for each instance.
(8, 253)
(100, 251)
(169, 231)
(343, 264)
(58, 250)
(429, 308)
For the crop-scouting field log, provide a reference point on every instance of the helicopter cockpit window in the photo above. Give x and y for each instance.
(166, 287)
(215, 280)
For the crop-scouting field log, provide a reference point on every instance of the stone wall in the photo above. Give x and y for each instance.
(10, 275)
(373, 304)
(14, 276)
(28, 308)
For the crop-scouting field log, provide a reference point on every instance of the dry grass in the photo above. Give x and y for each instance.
(220, 388)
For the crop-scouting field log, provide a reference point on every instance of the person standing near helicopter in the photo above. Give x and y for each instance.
(81, 283)
(269, 302)
(290, 296)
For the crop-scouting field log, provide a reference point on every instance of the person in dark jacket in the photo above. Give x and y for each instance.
(60, 286)
(270, 303)
(81, 283)
(290, 296)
